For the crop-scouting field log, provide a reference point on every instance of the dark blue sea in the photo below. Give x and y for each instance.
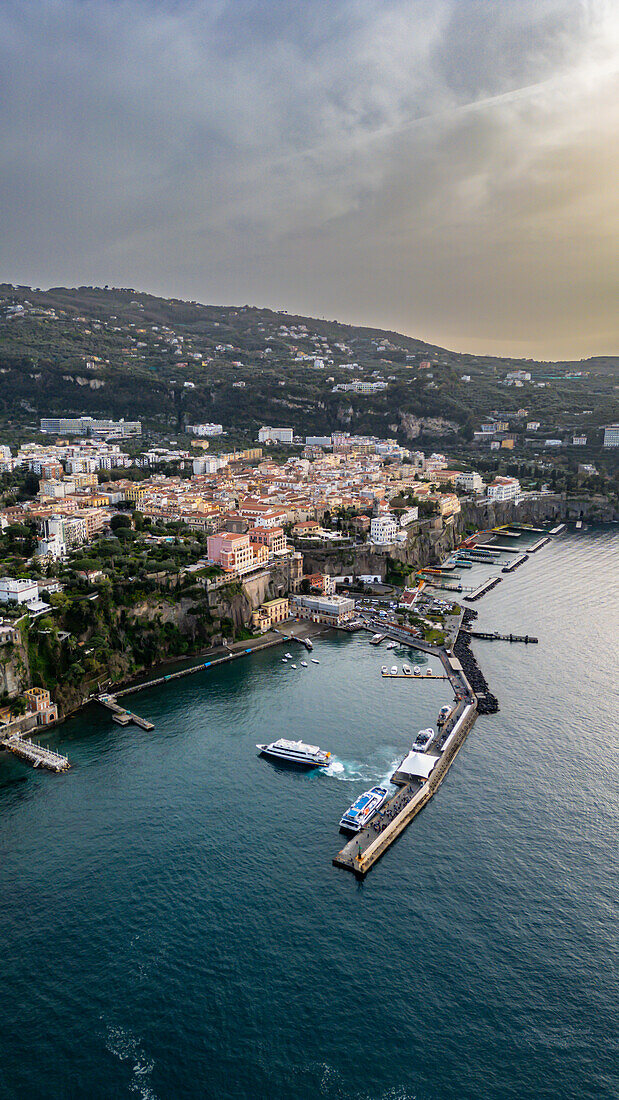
(172, 925)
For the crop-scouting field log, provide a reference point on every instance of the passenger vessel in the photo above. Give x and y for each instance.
(296, 752)
(363, 809)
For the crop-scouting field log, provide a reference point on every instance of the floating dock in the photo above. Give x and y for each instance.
(120, 715)
(483, 589)
(538, 545)
(35, 754)
(509, 568)
(555, 530)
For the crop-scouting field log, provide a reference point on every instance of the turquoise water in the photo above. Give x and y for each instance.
(173, 926)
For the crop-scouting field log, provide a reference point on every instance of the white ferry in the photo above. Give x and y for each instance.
(423, 740)
(296, 752)
(363, 809)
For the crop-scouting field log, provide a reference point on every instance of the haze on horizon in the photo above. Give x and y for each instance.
(448, 169)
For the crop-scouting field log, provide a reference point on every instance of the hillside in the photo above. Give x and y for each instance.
(119, 352)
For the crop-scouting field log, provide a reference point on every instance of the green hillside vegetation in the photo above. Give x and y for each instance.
(111, 352)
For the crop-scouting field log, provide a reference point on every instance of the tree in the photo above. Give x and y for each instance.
(119, 521)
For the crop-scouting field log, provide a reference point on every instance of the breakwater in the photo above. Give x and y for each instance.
(487, 703)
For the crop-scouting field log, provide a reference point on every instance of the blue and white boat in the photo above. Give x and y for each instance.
(364, 809)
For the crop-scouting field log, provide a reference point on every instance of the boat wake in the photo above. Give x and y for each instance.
(353, 771)
(127, 1048)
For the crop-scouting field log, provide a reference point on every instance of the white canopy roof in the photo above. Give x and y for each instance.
(418, 765)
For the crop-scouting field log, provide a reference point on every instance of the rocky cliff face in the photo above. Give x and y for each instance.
(14, 669)
(431, 540)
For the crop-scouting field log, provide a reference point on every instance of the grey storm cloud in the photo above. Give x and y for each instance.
(446, 168)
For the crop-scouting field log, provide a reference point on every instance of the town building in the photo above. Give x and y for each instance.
(272, 537)
(275, 435)
(383, 529)
(332, 610)
(504, 489)
(86, 425)
(470, 481)
(18, 591)
(205, 429)
(40, 703)
(271, 612)
(235, 553)
(611, 435)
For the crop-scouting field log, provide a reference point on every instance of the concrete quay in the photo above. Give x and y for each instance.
(365, 848)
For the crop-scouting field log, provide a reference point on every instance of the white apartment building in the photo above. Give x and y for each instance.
(611, 435)
(383, 529)
(503, 489)
(205, 429)
(86, 425)
(470, 481)
(275, 435)
(15, 591)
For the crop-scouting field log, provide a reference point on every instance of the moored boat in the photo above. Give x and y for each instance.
(363, 809)
(423, 740)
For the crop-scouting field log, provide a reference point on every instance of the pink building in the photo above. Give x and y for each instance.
(234, 552)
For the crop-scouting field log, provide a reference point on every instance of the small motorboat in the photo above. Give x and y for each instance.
(429, 672)
(315, 661)
(416, 671)
(303, 664)
(384, 670)
(288, 655)
(394, 670)
(406, 669)
(293, 666)
(284, 660)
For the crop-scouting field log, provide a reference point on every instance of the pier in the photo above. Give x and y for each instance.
(494, 636)
(35, 754)
(120, 715)
(539, 544)
(366, 847)
(509, 568)
(411, 675)
(483, 588)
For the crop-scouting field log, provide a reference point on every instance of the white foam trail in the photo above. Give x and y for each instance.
(127, 1047)
(351, 771)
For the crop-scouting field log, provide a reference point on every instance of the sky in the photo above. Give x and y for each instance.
(445, 168)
